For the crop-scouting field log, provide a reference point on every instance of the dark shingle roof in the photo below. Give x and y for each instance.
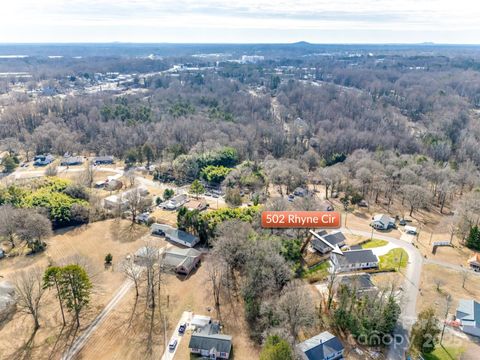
(321, 346)
(175, 234)
(356, 257)
(222, 343)
(336, 238)
(360, 282)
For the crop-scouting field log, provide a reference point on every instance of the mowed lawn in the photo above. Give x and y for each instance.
(394, 259)
(445, 353)
(374, 243)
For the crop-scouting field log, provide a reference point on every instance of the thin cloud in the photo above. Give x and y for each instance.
(162, 17)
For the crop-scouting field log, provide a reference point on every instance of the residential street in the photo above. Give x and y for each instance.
(410, 291)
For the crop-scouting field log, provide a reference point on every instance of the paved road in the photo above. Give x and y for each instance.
(410, 291)
(450, 266)
(28, 174)
(185, 318)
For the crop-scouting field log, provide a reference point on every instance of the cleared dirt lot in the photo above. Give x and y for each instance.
(449, 282)
(88, 246)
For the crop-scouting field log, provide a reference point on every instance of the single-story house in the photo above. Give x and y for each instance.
(120, 201)
(43, 160)
(182, 261)
(175, 235)
(382, 222)
(354, 260)
(360, 282)
(468, 313)
(207, 341)
(301, 192)
(72, 161)
(324, 346)
(114, 202)
(474, 262)
(104, 160)
(146, 252)
(334, 238)
(175, 202)
(216, 346)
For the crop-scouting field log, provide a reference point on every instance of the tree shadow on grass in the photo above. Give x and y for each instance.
(127, 232)
(25, 351)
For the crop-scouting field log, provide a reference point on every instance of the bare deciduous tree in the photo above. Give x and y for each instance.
(216, 273)
(29, 290)
(134, 273)
(136, 203)
(8, 223)
(296, 307)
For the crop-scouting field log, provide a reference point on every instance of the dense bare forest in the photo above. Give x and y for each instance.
(404, 118)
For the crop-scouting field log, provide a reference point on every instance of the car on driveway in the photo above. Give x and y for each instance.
(182, 328)
(173, 345)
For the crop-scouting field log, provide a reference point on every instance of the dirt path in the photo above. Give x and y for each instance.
(82, 339)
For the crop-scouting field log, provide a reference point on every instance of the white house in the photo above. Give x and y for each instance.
(207, 341)
(175, 235)
(382, 222)
(354, 260)
(175, 202)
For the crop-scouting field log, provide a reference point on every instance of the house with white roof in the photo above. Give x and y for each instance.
(382, 222)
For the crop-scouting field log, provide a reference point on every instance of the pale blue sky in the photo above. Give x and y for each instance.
(245, 21)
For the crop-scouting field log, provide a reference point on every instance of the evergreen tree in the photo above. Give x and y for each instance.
(75, 288)
(473, 239)
(197, 188)
(149, 153)
(51, 279)
(425, 332)
(276, 348)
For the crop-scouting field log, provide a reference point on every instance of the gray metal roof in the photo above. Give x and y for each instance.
(320, 346)
(219, 342)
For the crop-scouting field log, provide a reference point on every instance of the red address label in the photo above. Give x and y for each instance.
(300, 219)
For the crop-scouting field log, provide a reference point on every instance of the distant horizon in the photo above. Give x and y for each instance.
(248, 22)
(233, 43)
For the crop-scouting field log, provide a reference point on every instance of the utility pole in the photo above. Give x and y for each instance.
(400, 261)
(449, 301)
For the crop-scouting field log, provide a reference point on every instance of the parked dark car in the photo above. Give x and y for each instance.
(182, 328)
(158, 232)
(402, 222)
